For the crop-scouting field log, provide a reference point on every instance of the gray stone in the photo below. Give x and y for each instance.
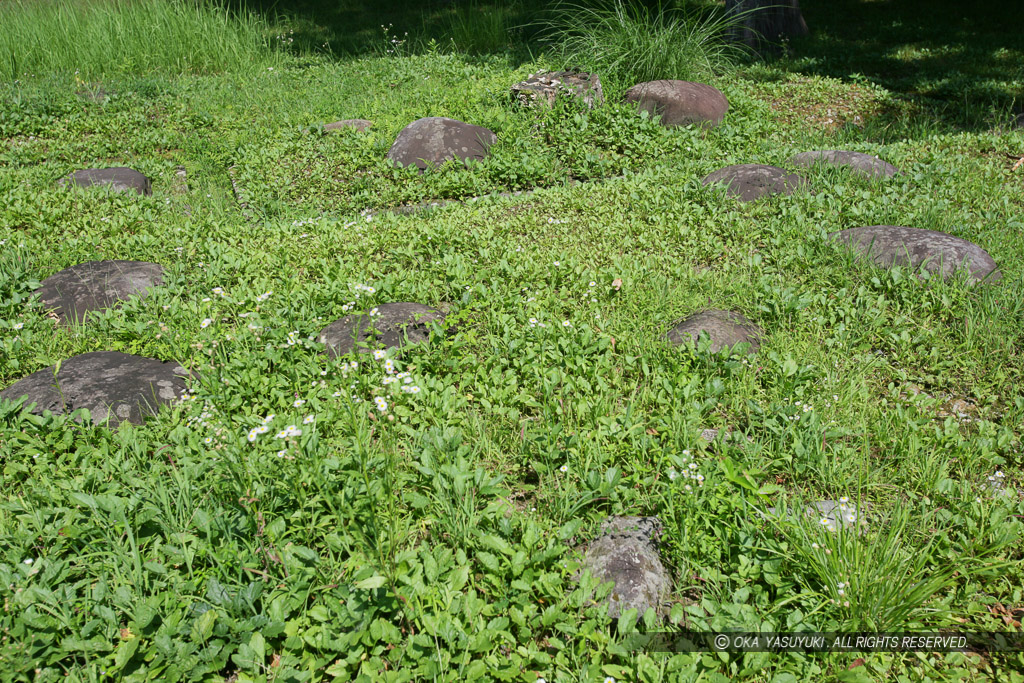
(858, 162)
(831, 514)
(626, 552)
(725, 329)
(386, 326)
(97, 285)
(119, 179)
(108, 383)
(750, 182)
(680, 103)
(430, 142)
(546, 86)
(893, 245)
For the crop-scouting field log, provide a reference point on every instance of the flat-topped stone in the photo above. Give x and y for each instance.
(750, 182)
(680, 103)
(119, 179)
(360, 125)
(858, 162)
(724, 329)
(430, 142)
(895, 245)
(97, 285)
(546, 86)
(626, 553)
(386, 326)
(107, 383)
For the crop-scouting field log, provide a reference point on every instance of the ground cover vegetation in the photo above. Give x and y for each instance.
(415, 516)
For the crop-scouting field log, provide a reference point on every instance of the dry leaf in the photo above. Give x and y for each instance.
(617, 283)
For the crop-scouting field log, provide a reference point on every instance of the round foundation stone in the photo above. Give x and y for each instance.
(120, 179)
(680, 103)
(857, 162)
(430, 142)
(895, 245)
(724, 329)
(386, 326)
(97, 285)
(107, 383)
(750, 182)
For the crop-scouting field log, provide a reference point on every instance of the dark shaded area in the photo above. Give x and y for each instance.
(960, 62)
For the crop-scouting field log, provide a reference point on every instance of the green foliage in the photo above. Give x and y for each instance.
(628, 42)
(114, 37)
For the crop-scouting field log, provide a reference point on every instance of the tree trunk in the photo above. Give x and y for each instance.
(766, 21)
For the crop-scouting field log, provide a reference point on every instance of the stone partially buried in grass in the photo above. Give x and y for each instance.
(386, 326)
(857, 162)
(626, 553)
(546, 86)
(97, 285)
(430, 142)
(107, 383)
(360, 125)
(894, 245)
(680, 103)
(750, 182)
(830, 514)
(120, 179)
(724, 329)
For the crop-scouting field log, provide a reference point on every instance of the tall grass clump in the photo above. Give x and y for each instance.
(479, 29)
(626, 42)
(108, 37)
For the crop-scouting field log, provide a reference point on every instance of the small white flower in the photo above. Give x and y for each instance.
(380, 354)
(566, 323)
(323, 373)
(382, 405)
(336, 394)
(844, 500)
(298, 403)
(308, 419)
(414, 390)
(354, 365)
(206, 323)
(557, 264)
(208, 440)
(389, 366)
(593, 284)
(824, 521)
(672, 474)
(281, 454)
(28, 560)
(609, 679)
(18, 326)
(252, 435)
(563, 469)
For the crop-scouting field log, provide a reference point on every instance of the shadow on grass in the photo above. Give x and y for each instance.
(956, 65)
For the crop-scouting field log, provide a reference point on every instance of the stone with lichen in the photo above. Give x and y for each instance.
(626, 553)
(547, 86)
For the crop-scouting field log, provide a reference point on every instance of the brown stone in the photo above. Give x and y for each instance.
(680, 103)
(750, 182)
(724, 329)
(430, 142)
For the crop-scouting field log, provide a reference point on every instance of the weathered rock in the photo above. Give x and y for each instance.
(430, 142)
(386, 326)
(680, 103)
(831, 514)
(546, 86)
(893, 245)
(119, 179)
(858, 162)
(626, 552)
(725, 329)
(96, 285)
(750, 182)
(108, 383)
(360, 125)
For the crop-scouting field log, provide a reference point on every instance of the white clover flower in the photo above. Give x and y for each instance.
(206, 323)
(382, 405)
(308, 419)
(380, 354)
(298, 403)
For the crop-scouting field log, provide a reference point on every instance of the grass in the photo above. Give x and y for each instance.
(436, 539)
(627, 42)
(112, 37)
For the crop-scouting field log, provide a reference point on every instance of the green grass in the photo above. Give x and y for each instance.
(112, 37)
(436, 540)
(627, 42)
